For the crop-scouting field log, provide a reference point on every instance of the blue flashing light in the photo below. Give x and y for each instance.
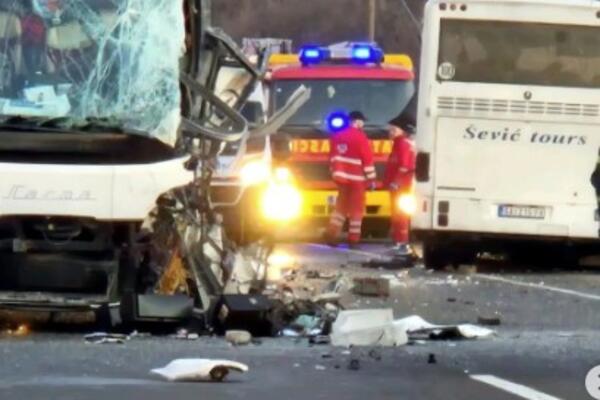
(311, 55)
(363, 53)
(337, 121)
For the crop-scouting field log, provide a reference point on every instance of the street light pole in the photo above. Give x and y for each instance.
(372, 19)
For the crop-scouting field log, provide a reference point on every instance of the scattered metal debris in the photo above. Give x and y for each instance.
(378, 287)
(106, 338)
(489, 320)
(320, 339)
(375, 354)
(354, 364)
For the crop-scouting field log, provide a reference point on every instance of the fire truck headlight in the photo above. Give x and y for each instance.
(283, 175)
(407, 203)
(254, 172)
(281, 202)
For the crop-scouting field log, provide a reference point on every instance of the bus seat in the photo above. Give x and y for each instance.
(71, 50)
(10, 39)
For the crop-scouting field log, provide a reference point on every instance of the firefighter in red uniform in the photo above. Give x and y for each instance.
(398, 178)
(353, 171)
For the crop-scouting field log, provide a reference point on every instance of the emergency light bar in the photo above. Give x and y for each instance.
(360, 53)
(313, 55)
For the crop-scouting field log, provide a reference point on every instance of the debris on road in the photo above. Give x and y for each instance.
(106, 338)
(19, 331)
(378, 328)
(367, 328)
(354, 364)
(238, 337)
(467, 269)
(314, 274)
(377, 287)
(184, 334)
(375, 354)
(417, 328)
(320, 339)
(198, 369)
(489, 320)
(320, 367)
(431, 359)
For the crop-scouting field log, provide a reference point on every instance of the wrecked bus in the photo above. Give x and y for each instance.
(108, 125)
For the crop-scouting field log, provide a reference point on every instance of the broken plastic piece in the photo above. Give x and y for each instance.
(198, 369)
(367, 328)
(105, 338)
(238, 337)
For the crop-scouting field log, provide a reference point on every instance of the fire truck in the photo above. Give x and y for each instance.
(341, 77)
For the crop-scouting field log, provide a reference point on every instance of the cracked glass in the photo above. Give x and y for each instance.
(115, 61)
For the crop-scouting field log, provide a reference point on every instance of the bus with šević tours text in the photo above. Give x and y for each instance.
(509, 127)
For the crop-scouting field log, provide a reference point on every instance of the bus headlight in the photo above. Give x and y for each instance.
(407, 203)
(281, 202)
(255, 172)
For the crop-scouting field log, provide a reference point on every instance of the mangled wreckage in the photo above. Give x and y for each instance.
(109, 128)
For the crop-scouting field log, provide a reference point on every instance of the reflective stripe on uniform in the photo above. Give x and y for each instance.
(347, 160)
(350, 177)
(337, 219)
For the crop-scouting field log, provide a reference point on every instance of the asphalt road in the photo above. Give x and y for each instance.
(548, 339)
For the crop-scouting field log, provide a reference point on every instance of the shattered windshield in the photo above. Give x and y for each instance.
(379, 100)
(93, 59)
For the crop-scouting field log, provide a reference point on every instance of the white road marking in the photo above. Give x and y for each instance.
(514, 388)
(555, 289)
(350, 251)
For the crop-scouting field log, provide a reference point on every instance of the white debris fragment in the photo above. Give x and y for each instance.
(366, 328)
(416, 325)
(238, 337)
(320, 367)
(378, 328)
(198, 369)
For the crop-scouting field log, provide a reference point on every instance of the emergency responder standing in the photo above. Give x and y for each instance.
(398, 178)
(353, 171)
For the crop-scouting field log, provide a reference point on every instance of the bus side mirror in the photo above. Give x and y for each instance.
(422, 167)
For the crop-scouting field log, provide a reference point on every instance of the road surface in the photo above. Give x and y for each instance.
(547, 342)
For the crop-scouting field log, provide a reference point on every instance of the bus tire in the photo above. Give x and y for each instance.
(436, 257)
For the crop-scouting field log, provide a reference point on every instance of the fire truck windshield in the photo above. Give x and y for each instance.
(379, 100)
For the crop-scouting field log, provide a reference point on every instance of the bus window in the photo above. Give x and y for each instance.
(519, 53)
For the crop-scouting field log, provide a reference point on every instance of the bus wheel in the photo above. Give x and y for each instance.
(436, 257)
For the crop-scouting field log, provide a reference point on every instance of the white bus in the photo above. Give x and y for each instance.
(508, 126)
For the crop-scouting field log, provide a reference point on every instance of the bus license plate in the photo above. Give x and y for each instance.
(529, 212)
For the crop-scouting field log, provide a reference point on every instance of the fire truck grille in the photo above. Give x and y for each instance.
(319, 171)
